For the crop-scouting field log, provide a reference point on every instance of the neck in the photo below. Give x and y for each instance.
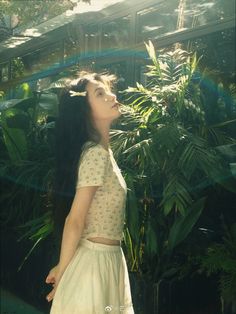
(104, 130)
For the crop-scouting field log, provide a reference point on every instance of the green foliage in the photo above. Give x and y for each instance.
(26, 167)
(36, 11)
(220, 258)
(164, 145)
(17, 68)
(14, 136)
(2, 95)
(184, 224)
(37, 230)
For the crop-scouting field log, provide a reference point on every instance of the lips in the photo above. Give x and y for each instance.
(117, 104)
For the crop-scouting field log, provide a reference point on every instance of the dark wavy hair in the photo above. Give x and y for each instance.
(73, 128)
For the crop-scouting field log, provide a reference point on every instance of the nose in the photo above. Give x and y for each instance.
(112, 97)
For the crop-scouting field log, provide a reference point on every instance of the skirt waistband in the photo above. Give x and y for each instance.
(99, 246)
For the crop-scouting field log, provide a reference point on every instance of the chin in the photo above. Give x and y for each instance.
(118, 114)
(116, 117)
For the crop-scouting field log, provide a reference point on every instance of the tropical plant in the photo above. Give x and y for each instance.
(26, 164)
(221, 258)
(168, 153)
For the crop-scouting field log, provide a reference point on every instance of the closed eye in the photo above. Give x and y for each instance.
(99, 91)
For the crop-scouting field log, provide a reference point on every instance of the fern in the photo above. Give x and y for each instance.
(221, 259)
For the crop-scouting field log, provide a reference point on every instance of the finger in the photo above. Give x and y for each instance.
(50, 295)
(47, 279)
(50, 279)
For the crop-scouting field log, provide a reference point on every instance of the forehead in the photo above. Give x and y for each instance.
(93, 85)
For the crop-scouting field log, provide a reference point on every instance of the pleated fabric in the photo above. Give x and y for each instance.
(96, 281)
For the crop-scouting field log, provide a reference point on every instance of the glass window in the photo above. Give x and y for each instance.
(116, 34)
(217, 51)
(175, 15)
(140, 72)
(71, 50)
(156, 20)
(201, 12)
(43, 58)
(17, 67)
(4, 72)
(91, 38)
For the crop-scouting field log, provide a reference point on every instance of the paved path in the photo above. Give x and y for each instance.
(10, 304)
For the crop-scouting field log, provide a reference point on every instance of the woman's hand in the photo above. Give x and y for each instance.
(53, 278)
(51, 275)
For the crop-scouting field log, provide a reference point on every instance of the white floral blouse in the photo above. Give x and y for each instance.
(106, 215)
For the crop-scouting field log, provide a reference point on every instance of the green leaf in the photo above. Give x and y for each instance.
(29, 253)
(132, 210)
(14, 138)
(130, 248)
(151, 238)
(17, 103)
(184, 224)
(48, 101)
(151, 51)
(176, 194)
(224, 177)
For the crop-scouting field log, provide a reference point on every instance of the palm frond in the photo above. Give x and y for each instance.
(197, 155)
(176, 195)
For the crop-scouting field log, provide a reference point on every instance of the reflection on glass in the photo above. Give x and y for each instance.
(116, 34)
(201, 12)
(175, 15)
(71, 50)
(217, 51)
(91, 35)
(156, 20)
(4, 72)
(17, 67)
(43, 58)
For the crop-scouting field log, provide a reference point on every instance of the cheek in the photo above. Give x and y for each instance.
(100, 110)
(94, 108)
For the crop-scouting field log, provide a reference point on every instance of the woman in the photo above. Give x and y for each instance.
(91, 276)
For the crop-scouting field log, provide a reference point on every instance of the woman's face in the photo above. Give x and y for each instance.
(102, 101)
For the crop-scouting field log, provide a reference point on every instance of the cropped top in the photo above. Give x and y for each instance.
(106, 215)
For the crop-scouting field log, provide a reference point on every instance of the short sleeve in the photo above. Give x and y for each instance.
(92, 167)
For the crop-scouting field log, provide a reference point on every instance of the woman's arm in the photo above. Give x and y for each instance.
(73, 228)
(74, 224)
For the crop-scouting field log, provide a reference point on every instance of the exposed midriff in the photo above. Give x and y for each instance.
(104, 241)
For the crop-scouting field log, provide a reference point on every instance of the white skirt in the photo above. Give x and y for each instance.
(96, 281)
